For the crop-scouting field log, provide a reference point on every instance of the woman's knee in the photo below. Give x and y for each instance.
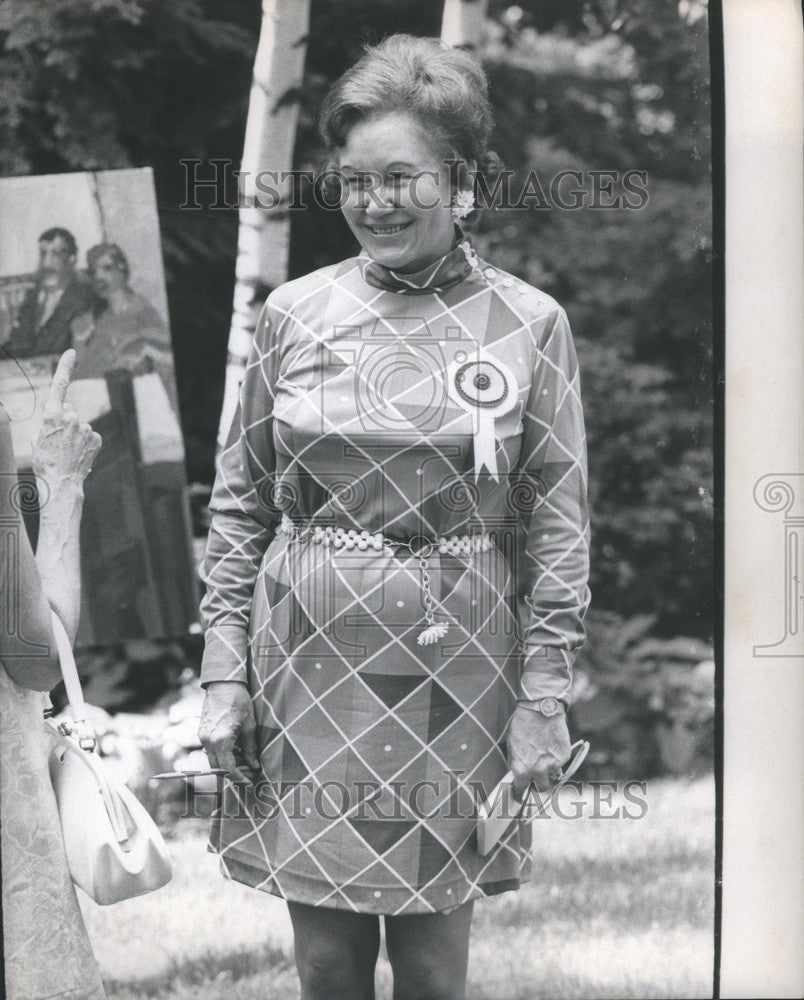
(429, 954)
(335, 953)
(428, 977)
(324, 967)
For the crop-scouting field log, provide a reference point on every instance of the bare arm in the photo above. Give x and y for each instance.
(58, 552)
(63, 451)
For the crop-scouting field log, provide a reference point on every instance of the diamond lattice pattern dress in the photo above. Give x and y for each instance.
(377, 748)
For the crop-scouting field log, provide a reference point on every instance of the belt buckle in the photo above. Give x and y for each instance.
(425, 549)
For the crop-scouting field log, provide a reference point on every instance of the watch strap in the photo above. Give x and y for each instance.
(534, 705)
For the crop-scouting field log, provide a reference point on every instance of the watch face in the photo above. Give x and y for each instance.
(548, 706)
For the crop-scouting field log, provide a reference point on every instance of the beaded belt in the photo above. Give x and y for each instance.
(419, 546)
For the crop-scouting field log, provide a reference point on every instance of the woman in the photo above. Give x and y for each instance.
(47, 952)
(128, 333)
(362, 661)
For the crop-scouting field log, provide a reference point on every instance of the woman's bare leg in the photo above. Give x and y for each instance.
(336, 952)
(429, 953)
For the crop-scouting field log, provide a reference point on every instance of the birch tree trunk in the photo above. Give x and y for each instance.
(264, 236)
(462, 25)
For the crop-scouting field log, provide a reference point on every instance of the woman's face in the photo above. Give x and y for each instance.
(397, 197)
(107, 275)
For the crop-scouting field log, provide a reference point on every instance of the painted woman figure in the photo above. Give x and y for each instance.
(127, 332)
(398, 560)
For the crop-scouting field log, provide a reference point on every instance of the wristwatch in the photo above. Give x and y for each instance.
(547, 706)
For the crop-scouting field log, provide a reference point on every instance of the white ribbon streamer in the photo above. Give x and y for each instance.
(485, 387)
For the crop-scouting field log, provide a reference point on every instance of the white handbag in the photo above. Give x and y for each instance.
(114, 849)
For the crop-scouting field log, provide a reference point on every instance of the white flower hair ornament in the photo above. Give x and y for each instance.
(463, 204)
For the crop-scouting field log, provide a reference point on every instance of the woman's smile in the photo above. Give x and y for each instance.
(387, 229)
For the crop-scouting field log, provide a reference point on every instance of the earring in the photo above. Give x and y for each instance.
(470, 255)
(463, 204)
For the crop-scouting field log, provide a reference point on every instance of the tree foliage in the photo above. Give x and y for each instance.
(618, 86)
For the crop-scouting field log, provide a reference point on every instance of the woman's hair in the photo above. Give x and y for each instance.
(445, 89)
(111, 250)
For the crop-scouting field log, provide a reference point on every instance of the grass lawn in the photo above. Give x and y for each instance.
(617, 908)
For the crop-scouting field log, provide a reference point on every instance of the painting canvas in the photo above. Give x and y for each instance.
(81, 267)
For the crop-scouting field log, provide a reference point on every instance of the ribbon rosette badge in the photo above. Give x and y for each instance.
(485, 388)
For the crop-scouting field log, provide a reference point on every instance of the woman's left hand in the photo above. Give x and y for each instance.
(538, 747)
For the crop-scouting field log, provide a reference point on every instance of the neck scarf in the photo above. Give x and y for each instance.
(443, 273)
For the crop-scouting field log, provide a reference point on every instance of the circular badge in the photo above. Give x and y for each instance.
(481, 382)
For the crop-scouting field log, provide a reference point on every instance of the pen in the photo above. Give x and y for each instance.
(190, 774)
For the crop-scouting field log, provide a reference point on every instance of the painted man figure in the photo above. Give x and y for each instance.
(57, 306)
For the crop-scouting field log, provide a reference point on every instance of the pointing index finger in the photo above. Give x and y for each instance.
(60, 383)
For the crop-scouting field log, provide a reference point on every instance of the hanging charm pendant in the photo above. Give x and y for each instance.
(433, 633)
(435, 630)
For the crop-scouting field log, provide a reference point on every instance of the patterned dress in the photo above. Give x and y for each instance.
(46, 950)
(368, 404)
(48, 955)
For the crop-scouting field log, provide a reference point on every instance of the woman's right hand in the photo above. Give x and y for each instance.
(64, 446)
(227, 721)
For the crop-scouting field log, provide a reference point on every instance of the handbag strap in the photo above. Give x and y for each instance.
(85, 738)
(72, 683)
